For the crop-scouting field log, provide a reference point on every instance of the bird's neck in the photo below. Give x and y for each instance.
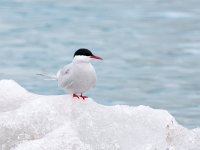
(81, 59)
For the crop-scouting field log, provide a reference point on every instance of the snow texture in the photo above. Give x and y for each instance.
(36, 122)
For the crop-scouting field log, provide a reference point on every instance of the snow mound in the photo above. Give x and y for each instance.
(36, 122)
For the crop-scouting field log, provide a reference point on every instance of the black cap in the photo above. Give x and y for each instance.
(83, 52)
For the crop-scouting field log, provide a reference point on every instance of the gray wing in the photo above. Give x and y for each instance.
(64, 76)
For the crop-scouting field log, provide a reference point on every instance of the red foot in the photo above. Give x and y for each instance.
(83, 97)
(74, 95)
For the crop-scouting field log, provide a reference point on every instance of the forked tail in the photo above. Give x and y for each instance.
(48, 77)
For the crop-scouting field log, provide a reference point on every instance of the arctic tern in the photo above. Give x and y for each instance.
(79, 76)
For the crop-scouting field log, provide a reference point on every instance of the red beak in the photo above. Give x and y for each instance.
(96, 57)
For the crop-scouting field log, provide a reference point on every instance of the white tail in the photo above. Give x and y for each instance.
(48, 77)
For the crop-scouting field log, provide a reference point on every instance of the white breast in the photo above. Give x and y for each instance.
(84, 77)
(77, 78)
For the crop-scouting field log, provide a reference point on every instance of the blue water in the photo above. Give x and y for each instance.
(151, 49)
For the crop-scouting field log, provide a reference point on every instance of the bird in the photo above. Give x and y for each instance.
(79, 76)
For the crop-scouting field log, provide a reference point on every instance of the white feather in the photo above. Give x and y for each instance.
(48, 77)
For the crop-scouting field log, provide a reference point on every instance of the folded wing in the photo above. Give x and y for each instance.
(64, 76)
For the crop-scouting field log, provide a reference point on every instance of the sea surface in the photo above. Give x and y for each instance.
(151, 49)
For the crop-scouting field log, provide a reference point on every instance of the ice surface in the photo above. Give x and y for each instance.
(36, 122)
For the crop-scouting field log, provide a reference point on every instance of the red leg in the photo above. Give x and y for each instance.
(74, 95)
(83, 97)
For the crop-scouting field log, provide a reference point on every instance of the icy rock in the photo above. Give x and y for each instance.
(36, 122)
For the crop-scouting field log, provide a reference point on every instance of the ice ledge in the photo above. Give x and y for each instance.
(36, 122)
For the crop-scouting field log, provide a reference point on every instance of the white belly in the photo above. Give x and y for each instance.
(83, 78)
